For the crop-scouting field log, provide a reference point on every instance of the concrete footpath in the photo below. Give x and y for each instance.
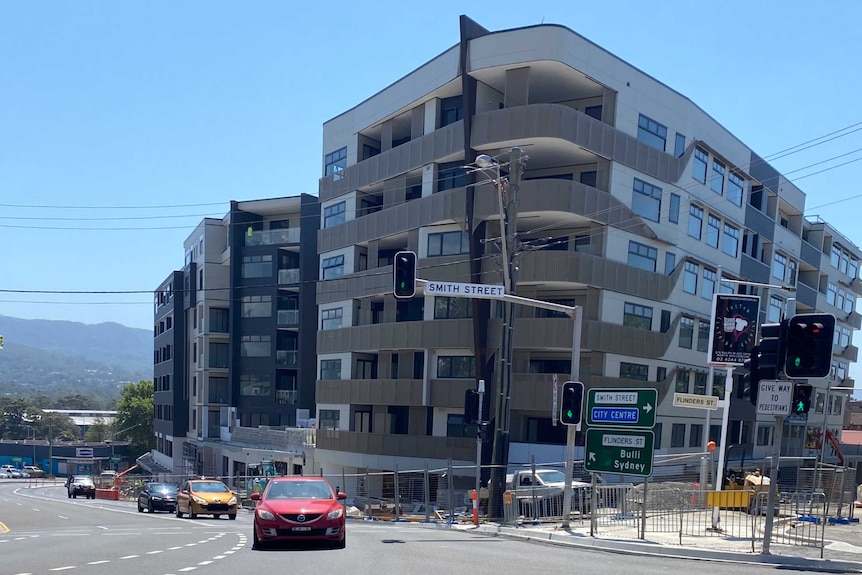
(842, 544)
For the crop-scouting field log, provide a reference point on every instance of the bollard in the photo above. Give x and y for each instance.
(475, 497)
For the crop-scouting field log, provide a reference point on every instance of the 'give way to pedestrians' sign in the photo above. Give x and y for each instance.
(774, 397)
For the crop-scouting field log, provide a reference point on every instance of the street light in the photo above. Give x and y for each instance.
(33, 436)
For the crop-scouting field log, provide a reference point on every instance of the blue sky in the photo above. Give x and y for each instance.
(165, 111)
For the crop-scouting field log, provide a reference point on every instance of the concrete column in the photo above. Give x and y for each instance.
(432, 112)
(417, 122)
(386, 136)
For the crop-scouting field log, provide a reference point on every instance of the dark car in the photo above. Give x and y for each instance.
(297, 508)
(157, 497)
(81, 485)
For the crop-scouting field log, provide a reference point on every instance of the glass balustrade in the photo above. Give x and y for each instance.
(288, 317)
(283, 396)
(272, 237)
(288, 276)
(286, 358)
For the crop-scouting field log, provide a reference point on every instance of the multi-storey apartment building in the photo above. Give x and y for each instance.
(633, 200)
(240, 318)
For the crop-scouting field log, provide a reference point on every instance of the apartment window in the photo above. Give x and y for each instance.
(593, 112)
(332, 267)
(835, 257)
(665, 320)
(456, 366)
(328, 419)
(845, 337)
(335, 162)
(695, 435)
(717, 182)
(635, 371)
(695, 221)
(677, 435)
(637, 316)
(219, 354)
(673, 209)
(656, 431)
(257, 266)
(702, 336)
(831, 293)
(452, 308)
(589, 178)
(682, 380)
(254, 384)
(451, 110)
(218, 320)
(331, 318)
(679, 145)
(699, 169)
(646, 200)
(708, 287)
(641, 256)
(256, 346)
(852, 271)
(713, 227)
(330, 369)
(689, 278)
(450, 176)
(550, 313)
(843, 267)
(669, 263)
(779, 266)
(764, 435)
(257, 306)
(334, 214)
(686, 332)
(448, 243)
(773, 314)
(582, 244)
(652, 133)
(735, 186)
(730, 240)
(660, 374)
(455, 426)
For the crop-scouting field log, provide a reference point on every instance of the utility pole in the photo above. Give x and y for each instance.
(508, 198)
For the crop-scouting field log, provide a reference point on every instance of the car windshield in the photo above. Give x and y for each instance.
(161, 487)
(551, 476)
(82, 480)
(298, 490)
(209, 487)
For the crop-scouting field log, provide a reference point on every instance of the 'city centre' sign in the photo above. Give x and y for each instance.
(453, 289)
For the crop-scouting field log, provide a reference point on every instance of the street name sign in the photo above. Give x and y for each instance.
(696, 401)
(625, 451)
(621, 407)
(453, 289)
(774, 397)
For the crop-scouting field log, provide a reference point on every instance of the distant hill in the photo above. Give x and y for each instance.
(65, 357)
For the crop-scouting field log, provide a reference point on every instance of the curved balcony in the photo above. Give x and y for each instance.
(453, 333)
(560, 122)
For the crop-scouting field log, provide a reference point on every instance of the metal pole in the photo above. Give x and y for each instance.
(479, 440)
(427, 495)
(571, 433)
(725, 418)
(818, 483)
(773, 484)
(397, 496)
(451, 491)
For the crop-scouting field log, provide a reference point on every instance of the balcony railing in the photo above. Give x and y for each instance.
(285, 396)
(288, 317)
(289, 276)
(213, 431)
(272, 237)
(218, 397)
(285, 358)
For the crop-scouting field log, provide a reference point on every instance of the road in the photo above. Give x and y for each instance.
(47, 533)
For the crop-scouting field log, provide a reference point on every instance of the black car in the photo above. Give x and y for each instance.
(81, 485)
(157, 497)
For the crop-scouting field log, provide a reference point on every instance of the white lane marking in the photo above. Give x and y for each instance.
(229, 552)
(98, 562)
(62, 517)
(155, 552)
(62, 568)
(188, 568)
(175, 548)
(205, 563)
(102, 527)
(129, 556)
(36, 509)
(190, 544)
(219, 557)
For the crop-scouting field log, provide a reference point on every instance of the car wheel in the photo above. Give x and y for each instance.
(343, 543)
(232, 517)
(192, 515)
(140, 509)
(150, 507)
(255, 542)
(74, 496)
(216, 515)
(69, 494)
(179, 513)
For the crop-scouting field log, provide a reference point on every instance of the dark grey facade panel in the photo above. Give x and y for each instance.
(759, 223)
(761, 171)
(810, 255)
(753, 270)
(806, 295)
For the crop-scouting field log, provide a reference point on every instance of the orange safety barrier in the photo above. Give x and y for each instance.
(112, 494)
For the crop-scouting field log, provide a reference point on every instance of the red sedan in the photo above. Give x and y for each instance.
(297, 508)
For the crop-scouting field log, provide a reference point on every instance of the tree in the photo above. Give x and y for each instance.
(99, 431)
(135, 416)
(15, 415)
(78, 401)
(56, 426)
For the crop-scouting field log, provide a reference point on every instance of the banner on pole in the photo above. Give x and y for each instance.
(734, 327)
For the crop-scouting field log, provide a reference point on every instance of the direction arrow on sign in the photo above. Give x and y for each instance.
(622, 407)
(625, 451)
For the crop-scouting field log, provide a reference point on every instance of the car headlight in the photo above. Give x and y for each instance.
(264, 514)
(232, 501)
(198, 500)
(335, 513)
(156, 498)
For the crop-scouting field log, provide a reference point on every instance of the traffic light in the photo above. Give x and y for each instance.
(801, 398)
(772, 350)
(405, 275)
(572, 400)
(809, 345)
(751, 379)
(471, 406)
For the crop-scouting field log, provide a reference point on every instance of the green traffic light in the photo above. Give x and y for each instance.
(569, 414)
(797, 361)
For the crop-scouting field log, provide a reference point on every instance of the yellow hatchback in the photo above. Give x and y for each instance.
(206, 497)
